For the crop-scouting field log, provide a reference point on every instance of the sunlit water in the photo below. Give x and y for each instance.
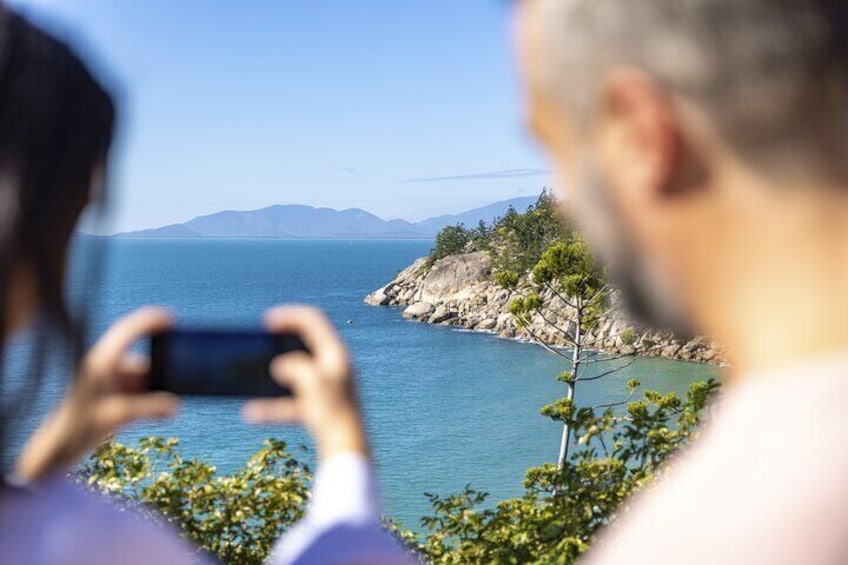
(444, 407)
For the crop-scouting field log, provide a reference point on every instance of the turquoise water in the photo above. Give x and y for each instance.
(444, 407)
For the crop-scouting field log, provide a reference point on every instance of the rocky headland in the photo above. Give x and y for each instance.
(459, 290)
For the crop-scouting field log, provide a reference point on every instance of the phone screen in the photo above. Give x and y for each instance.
(218, 363)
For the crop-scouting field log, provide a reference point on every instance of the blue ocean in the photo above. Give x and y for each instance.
(444, 407)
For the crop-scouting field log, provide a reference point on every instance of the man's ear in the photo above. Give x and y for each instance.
(639, 134)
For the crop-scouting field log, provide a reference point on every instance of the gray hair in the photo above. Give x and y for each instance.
(756, 68)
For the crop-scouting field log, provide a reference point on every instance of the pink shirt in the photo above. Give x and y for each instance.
(766, 483)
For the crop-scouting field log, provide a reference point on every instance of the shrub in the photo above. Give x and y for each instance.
(628, 336)
(557, 518)
(237, 517)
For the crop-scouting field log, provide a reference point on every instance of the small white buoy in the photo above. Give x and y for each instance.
(349, 322)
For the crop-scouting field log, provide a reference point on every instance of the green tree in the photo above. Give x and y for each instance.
(515, 240)
(481, 236)
(450, 241)
(566, 272)
(519, 239)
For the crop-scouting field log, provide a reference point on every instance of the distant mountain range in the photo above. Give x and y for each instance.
(297, 221)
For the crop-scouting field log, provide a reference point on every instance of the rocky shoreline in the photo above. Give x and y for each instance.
(459, 291)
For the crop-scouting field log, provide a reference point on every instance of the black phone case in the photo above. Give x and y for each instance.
(217, 363)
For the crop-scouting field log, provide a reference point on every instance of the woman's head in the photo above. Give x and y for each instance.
(56, 126)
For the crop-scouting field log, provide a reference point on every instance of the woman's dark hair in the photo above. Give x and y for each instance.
(56, 126)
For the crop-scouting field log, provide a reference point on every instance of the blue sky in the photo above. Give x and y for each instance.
(406, 109)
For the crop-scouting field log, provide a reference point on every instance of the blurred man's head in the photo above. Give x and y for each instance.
(666, 118)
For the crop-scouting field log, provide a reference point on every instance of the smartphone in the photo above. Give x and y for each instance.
(201, 362)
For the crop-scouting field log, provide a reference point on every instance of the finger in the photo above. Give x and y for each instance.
(289, 368)
(120, 410)
(284, 411)
(111, 347)
(133, 362)
(316, 331)
(297, 372)
(131, 374)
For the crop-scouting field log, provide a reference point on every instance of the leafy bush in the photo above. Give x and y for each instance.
(237, 517)
(556, 519)
(628, 336)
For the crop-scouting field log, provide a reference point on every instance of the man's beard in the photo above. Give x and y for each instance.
(645, 294)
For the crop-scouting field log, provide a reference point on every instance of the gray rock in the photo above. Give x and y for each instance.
(487, 324)
(378, 298)
(670, 351)
(454, 274)
(442, 314)
(458, 290)
(418, 310)
(413, 271)
(504, 320)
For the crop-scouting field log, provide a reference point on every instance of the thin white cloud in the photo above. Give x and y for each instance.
(504, 174)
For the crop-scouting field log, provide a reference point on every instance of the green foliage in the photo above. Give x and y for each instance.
(566, 269)
(556, 519)
(450, 241)
(519, 239)
(516, 240)
(507, 279)
(537, 247)
(570, 269)
(523, 307)
(237, 517)
(628, 336)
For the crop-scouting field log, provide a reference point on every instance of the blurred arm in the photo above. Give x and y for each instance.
(342, 524)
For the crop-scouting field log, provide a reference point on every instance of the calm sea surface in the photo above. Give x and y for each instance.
(444, 407)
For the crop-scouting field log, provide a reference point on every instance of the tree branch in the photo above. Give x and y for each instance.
(598, 294)
(538, 341)
(604, 360)
(614, 404)
(556, 327)
(608, 373)
(568, 302)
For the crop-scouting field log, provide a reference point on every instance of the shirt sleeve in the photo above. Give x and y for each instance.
(342, 522)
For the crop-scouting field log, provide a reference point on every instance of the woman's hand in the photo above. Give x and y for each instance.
(106, 394)
(324, 397)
